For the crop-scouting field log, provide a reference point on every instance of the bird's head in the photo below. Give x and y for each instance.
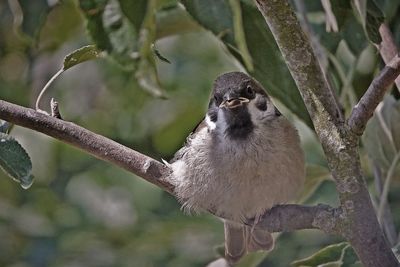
(238, 105)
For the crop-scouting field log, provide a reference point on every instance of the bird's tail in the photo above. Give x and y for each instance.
(240, 239)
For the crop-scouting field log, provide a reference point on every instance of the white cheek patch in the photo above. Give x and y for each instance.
(211, 125)
(257, 114)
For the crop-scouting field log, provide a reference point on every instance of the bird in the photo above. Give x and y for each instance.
(244, 158)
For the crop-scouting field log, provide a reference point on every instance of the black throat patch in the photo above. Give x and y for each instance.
(239, 124)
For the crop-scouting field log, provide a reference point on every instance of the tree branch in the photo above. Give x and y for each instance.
(305, 70)
(387, 48)
(363, 111)
(286, 218)
(99, 146)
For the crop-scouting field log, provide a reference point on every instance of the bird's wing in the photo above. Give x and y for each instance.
(179, 154)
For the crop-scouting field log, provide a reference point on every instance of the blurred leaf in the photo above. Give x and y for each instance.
(135, 11)
(147, 70)
(350, 29)
(239, 34)
(329, 256)
(374, 19)
(269, 66)
(371, 18)
(126, 30)
(122, 36)
(80, 55)
(15, 161)
(382, 134)
(315, 175)
(93, 11)
(251, 259)
(34, 14)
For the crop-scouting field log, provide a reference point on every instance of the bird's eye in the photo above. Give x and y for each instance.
(249, 91)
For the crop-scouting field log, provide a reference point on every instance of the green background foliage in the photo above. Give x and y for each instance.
(84, 212)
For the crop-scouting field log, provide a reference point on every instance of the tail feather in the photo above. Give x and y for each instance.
(235, 241)
(259, 240)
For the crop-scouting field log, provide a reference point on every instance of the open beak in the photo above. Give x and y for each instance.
(234, 102)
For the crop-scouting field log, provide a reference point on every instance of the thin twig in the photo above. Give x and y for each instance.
(387, 48)
(45, 89)
(99, 146)
(363, 111)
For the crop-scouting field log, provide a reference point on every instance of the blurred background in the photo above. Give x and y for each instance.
(81, 211)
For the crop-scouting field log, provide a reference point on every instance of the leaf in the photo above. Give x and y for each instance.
(126, 31)
(328, 255)
(337, 255)
(374, 19)
(146, 73)
(240, 39)
(80, 55)
(382, 134)
(269, 67)
(93, 11)
(371, 17)
(315, 175)
(350, 29)
(15, 161)
(34, 14)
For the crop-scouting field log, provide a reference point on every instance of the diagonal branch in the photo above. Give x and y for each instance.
(363, 111)
(280, 218)
(99, 146)
(305, 70)
(387, 48)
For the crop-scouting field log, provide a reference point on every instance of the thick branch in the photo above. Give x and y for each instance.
(363, 111)
(305, 70)
(97, 145)
(286, 218)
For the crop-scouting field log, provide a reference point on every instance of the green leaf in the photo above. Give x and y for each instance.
(146, 73)
(371, 18)
(337, 255)
(239, 34)
(34, 14)
(269, 67)
(315, 175)
(93, 11)
(15, 161)
(80, 55)
(382, 134)
(330, 254)
(374, 19)
(126, 30)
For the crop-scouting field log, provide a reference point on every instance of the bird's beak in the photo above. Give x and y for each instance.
(234, 102)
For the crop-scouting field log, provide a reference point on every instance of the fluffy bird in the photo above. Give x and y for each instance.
(242, 159)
